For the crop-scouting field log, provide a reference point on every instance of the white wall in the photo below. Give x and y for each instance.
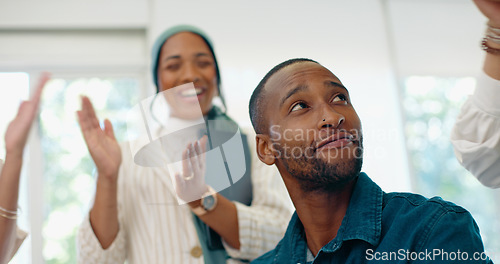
(73, 50)
(43, 14)
(437, 37)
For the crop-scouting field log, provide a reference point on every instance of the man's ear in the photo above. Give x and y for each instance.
(265, 149)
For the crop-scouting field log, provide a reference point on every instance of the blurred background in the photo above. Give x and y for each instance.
(409, 65)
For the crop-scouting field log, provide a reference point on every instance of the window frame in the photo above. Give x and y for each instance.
(32, 178)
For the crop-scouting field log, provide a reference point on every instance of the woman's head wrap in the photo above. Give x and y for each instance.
(160, 40)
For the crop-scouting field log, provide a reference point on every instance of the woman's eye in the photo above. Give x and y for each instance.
(204, 64)
(340, 98)
(172, 67)
(298, 106)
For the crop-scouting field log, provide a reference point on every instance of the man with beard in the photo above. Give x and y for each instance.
(307, 127)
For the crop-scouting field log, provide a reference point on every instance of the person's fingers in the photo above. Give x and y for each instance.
(180, 185)
(22, 121)
(80, 120)
(108, 129)
(84, 126)
(35, 98)
(203, 143)
(89, 112)
(94, 120)
(193, 159)
(197, 148)
(179, 182)
(84, 108)
(23, 107)
(201, 146)
(83, 119)
(26, 113)
(199, 154)
(186, 171)
(89, 125)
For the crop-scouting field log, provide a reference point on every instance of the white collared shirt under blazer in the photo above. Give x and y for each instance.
(155, 229)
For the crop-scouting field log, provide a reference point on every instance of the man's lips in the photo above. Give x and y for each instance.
(337, 140)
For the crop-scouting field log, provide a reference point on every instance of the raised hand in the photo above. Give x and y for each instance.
(190, 186)
(101, 143)
(18, 129)
(490, 9)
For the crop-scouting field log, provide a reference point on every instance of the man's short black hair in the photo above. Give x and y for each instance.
(256, 101)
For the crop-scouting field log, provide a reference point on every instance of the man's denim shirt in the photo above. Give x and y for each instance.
(389, 228)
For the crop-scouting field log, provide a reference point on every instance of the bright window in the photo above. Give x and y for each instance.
(431, 105)
(68, 170)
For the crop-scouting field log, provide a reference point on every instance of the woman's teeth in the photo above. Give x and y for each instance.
(192, 92)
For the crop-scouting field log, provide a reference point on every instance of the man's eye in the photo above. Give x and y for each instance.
(298, 106)
(340, 98)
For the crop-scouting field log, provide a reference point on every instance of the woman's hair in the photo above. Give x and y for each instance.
(156, 50)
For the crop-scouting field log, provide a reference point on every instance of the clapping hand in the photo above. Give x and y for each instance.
(190, 185)
(101, 143)
(490, 9)
(17, 132)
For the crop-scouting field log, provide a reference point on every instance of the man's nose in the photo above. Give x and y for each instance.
(330, 118)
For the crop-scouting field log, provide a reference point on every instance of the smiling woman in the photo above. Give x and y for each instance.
(187, 57)
(145, 214)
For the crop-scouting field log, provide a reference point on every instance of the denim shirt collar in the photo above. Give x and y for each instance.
(363, 220)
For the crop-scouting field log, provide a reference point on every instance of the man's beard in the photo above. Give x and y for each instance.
(316, 175)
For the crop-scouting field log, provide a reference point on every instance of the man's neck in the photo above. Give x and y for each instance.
(321, 214)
